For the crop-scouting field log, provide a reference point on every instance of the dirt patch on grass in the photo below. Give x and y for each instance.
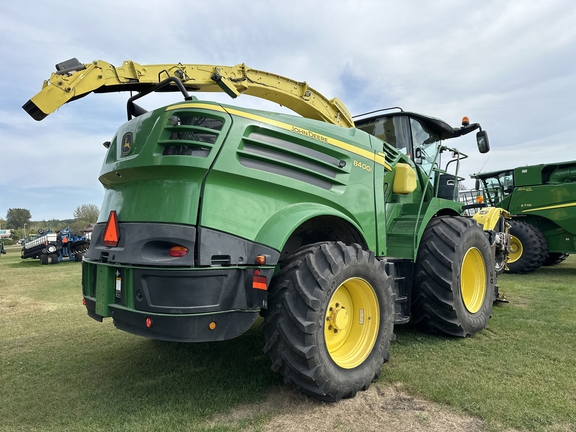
(382, 407)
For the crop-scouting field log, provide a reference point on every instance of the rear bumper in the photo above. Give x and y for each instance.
(208, 294)
(178, 328)
(185, 305)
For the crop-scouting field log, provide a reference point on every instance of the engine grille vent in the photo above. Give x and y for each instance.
(287, 158)
(191, 135)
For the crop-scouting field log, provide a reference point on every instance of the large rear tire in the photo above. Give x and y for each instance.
(329, 320)
(454, 278)
(528, 248)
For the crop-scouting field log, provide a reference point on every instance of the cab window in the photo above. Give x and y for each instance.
(424, 142)
(394, 130)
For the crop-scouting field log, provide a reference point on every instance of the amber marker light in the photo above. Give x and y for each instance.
(260, 259)
(258, 281)
(212, 325)
(480, 199)
(178, 251)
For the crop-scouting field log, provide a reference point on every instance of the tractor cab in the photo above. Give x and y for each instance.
(495, 186)
(419, 137)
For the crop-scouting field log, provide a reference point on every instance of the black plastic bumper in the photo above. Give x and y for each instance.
(179, 328)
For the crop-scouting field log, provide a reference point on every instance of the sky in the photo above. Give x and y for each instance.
(509, 65)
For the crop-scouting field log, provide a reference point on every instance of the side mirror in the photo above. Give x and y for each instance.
(477, 185)
(483, 142)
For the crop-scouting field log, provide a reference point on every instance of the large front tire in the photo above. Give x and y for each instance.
(329, 320)
(454, 278)
(528, 248)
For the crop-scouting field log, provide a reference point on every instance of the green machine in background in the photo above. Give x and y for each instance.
(542, 201)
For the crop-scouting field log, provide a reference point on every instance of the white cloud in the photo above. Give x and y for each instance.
(510, 66)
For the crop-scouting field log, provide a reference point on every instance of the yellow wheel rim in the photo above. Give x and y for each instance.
(351, 323)
(473, 280)
(516, 249)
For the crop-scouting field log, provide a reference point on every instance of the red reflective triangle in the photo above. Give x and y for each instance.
(112, 232)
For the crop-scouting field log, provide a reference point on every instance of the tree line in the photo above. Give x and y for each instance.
(20, 221)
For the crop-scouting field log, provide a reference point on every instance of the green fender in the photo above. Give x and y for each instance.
(278, 229)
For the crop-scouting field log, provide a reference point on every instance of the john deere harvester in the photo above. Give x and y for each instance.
(542, 201)
(333, 230)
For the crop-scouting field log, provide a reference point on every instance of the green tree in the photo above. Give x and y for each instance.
(17, 217)
(87, 213)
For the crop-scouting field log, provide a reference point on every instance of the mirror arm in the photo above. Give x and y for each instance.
(467, 129)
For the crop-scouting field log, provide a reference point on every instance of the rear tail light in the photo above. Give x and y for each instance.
(178, 251)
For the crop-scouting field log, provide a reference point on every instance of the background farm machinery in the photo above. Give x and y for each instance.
(51, 248)
(542, 201)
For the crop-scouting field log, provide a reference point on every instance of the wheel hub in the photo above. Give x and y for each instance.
(516, 249)
(338, 318)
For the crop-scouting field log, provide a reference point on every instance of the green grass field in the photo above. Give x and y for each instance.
(60, 370)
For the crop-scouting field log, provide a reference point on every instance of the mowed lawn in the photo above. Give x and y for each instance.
(61, 370)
